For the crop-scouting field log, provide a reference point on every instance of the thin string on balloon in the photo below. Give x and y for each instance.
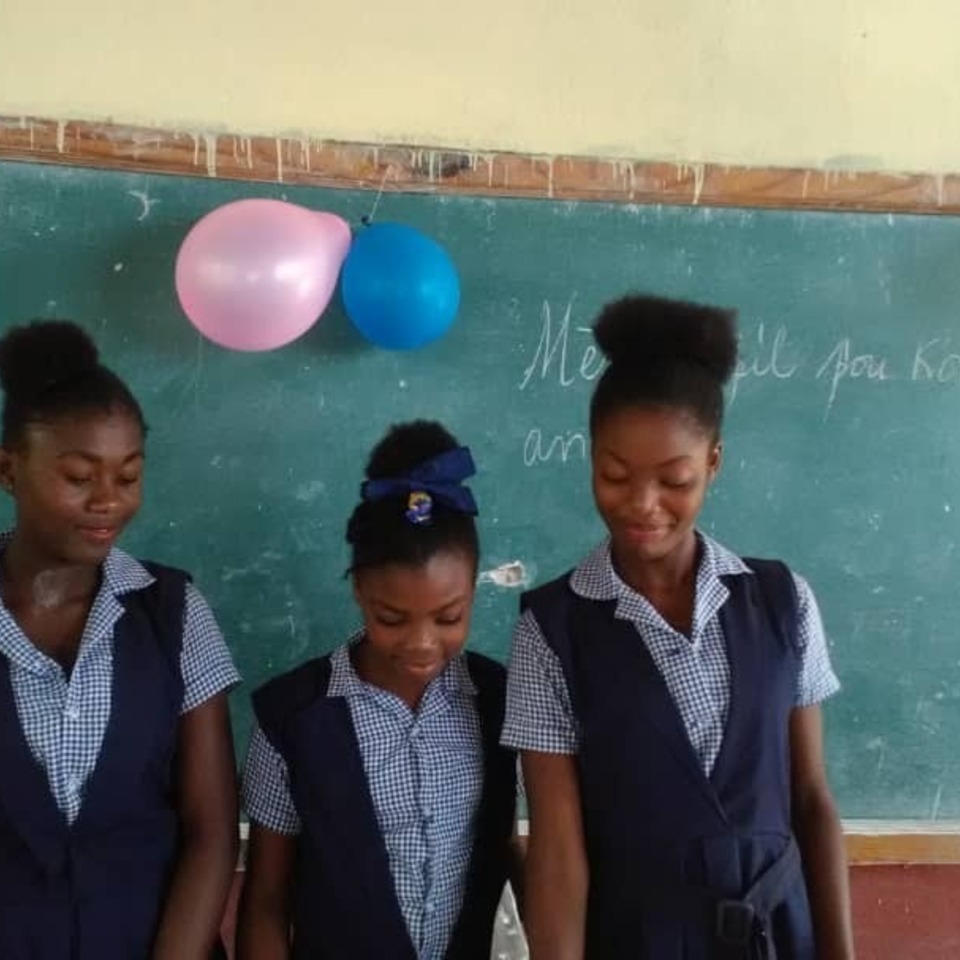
(368, 219)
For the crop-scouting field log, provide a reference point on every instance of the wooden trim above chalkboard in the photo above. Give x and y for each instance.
(437, 170)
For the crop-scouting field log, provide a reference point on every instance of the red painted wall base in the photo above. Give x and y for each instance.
(899, 912)
(907, 912)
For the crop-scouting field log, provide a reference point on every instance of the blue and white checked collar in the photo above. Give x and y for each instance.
(121, 574)
(595, 579)
(345, 682)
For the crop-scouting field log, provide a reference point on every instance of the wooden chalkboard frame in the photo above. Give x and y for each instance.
(438, 170)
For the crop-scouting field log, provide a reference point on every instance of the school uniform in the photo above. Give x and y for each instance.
(403, 818)
(682, 747)
(88, 827)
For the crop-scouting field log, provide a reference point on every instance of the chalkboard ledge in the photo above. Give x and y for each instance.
(877, 842)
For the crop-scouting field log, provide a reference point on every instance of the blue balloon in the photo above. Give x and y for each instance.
(399, 287)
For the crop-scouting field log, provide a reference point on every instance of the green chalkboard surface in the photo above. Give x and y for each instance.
(843, 436)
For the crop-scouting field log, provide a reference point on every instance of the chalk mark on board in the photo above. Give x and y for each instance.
(198, 371)
(878, 746)
(844, 363)
(148, 203)
(935, 809)
(538, 448)
(553, 346)
(308, 491)
(191, 383)
(508, 575)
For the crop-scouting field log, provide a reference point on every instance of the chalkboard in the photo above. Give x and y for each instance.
(842, 440)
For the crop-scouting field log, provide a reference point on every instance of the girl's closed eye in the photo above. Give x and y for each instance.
(678, 483)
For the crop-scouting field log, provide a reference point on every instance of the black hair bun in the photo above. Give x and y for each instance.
(38, 354)
(646, 331)
(406, 446)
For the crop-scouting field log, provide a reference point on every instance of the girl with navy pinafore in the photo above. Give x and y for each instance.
(665, 695)
(381, 804)
(118, 797)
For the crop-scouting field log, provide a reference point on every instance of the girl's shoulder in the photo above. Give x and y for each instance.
(308, 674)
(289, 693)
(123, 573)
(483, 676)
(482, 663)
(488, 676)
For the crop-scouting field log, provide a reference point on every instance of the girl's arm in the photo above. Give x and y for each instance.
(263, 922)
(518, 864)
(820, 837)
(206, 801)
(557, 876)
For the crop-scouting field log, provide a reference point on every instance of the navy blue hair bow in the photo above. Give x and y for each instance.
(441, 477)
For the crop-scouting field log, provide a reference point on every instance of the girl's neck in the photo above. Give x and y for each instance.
(369, 671)
(664, 576)
(31, 577)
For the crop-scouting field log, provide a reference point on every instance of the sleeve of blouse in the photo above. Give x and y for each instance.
(816, 680)
(205, 662)
(539, 713)
(265, 789)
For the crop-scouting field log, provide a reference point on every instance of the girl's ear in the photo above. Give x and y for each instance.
(714, 461)
(357, 591)
(7, 470)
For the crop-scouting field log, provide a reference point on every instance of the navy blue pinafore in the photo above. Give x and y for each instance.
(94, 890)
(685, 866)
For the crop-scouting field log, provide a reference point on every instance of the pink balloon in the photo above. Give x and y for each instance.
(256, 274)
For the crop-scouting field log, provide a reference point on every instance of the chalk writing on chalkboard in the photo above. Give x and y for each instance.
(564, 354)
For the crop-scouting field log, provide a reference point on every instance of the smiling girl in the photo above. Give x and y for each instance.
(380, 801)
(118, 797)
(665, 694)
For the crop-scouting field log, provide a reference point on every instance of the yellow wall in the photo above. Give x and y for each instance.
(871, 84)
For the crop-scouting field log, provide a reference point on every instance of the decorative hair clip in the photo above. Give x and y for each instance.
(419, 507)
(439, 479)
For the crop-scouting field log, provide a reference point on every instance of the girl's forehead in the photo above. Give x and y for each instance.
(634, 430)
(85, 430)
(443, 570)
